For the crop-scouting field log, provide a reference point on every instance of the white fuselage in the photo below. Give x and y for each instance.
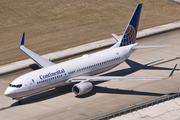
(57, 75)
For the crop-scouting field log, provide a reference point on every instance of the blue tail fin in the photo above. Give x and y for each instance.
(129, 35)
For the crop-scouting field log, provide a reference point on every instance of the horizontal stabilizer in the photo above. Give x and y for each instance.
(117, 38)
(142, 47)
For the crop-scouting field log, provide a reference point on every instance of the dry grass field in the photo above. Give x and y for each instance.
(53, 25)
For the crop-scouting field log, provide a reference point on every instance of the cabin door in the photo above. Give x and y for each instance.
(31, 83)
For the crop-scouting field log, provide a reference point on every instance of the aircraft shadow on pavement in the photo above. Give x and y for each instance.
(34, 67)
(134, 66)
(99, 89)
(45, 95)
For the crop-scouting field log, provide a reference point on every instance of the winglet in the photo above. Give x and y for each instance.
(42, 62)
(172, 71)
(22, 39)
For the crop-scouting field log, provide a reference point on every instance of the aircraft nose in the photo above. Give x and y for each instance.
(8, 92)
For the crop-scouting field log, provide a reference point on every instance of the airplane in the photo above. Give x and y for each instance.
(79, 71)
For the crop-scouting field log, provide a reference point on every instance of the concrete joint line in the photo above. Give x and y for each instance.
(176, 103)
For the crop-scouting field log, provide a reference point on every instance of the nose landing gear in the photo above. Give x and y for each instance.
(19, 100)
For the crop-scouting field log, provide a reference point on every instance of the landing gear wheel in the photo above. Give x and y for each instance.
(20, 102)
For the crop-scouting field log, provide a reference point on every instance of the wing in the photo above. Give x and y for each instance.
(42, 62)
(141, 47)
(107, 78)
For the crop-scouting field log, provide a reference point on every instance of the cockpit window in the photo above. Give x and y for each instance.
(17, 86)
(13, 85)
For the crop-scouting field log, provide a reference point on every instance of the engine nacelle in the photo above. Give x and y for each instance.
(82, 88)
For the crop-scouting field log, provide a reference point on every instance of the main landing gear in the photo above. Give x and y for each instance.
(19, 100)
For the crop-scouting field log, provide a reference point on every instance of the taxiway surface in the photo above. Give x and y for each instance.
(106, 97)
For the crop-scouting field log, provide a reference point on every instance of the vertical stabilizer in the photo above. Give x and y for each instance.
(129, 35)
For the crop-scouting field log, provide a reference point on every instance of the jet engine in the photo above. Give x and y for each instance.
(82, 88)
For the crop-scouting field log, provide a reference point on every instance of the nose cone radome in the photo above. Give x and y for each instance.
(8, 92)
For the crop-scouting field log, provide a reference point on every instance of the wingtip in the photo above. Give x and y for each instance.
(173, 70)
(22, 39)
